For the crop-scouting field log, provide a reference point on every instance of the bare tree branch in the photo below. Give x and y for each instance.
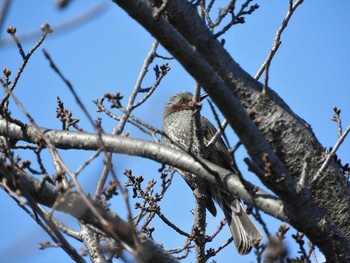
(154, 151)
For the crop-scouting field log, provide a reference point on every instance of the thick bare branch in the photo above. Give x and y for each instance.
(154, 151)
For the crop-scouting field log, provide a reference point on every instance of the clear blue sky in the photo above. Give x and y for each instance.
(310, 72)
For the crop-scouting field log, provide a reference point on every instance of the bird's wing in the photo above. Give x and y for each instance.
(219, 153)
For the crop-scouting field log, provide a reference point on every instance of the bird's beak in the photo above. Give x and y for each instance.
(203, 96)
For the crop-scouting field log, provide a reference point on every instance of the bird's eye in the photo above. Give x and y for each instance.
(182, 100)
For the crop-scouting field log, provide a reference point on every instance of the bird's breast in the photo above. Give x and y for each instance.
(179, 130)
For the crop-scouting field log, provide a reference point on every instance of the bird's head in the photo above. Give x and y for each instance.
(179, 102)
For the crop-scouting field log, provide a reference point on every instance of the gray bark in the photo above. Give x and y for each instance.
(320, 210)
(160, 153)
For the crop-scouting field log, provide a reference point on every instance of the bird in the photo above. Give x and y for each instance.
(178, 131)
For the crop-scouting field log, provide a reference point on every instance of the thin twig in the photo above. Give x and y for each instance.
(88, 161)
(170, 224)
(198, 230)
(221, 129)
(185, 248)
(330, 155)
(70, 87)
(216, 251)
(236, 19)
(337, 119)
(312, 251)
(142, 125)
(302, 181)
(148, 60)
(65, 229)
(158, 11)
(164, 57)
(218, 133)
(66, 25)
(164, 70)
(119, 129)
(217, 231)
(223, 13)
(235, 148)
(45, 31)
(207, 14)
(276, 43)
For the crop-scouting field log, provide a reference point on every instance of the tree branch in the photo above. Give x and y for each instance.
(160, 153)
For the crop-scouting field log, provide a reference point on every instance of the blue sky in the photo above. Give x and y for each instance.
(310, 72)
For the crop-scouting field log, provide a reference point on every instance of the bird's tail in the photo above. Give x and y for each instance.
(244, 232)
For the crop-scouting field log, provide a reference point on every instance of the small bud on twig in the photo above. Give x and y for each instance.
(11, 30)
(46, 28)
(7, 72)
(336, 110)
